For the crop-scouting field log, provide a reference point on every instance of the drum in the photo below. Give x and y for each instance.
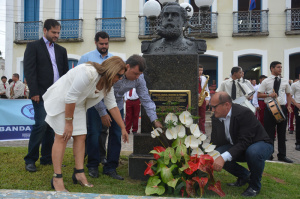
(276, 110)
(244, 102)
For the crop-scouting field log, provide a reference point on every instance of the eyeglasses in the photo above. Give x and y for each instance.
(214, 107)
(121, 76)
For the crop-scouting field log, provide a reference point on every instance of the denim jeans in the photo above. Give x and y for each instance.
(41, 133)
(113, 146)
(255, 156)
(94, 128)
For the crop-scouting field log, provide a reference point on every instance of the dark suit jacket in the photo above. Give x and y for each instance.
(244, 130)
(38, 68)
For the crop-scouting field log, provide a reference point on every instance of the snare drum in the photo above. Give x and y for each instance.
(276, 110)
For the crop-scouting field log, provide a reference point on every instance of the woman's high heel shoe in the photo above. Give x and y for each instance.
(57, 176)
(75, 181)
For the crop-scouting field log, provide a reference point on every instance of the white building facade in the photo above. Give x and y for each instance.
(234, 36)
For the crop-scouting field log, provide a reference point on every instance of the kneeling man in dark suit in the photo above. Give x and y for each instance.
(239, 137)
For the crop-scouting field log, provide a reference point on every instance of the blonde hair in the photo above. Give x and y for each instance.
(108, 70)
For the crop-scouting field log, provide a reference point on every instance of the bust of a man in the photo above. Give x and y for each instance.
(173, 18)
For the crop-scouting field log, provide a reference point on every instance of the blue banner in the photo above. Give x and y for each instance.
(16, 119)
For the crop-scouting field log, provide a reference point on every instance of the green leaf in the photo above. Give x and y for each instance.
(166, 174)
(152, 186)
(184, 167)
(169, 154)
(178, 142)
(160, 165)
(178, 187)
(180, 151)
(173, 182)
(161, 154)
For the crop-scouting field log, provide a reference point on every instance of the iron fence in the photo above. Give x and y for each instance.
(292, 19)
(71, 29)
(115, 27)
(208, 22)
(255, 21)
(28, 31)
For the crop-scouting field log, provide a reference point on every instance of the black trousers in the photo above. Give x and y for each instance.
(271, 126)
(296, 111)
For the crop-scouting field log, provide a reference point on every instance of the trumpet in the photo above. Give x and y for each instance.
(203, 94)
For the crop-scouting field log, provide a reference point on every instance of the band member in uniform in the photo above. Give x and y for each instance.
(296, 101)
(276, 88)
(230, 85)
(202, 108)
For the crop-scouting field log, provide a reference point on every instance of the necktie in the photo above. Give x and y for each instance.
(233, 90)
(276, 85)
(130, 93)
(4, 85)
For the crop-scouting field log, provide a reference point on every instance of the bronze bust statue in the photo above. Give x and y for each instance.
(173, 18)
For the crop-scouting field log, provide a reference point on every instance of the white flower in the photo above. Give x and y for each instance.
(156, 132)
(214, 154)
(186, 118)
(181, 131)
(171, 133)
(195, 130)
(191, 141)
(197, 151)
(202, 137)
(208, 147)
(171, 117)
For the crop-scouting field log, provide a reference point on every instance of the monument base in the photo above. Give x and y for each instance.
(164, 72)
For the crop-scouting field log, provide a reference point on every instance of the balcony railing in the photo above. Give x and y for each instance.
(292, 21)
(28, 31)
(208, 22)
(147, 30)
(250, 23)
(71, 30)
(115, 27)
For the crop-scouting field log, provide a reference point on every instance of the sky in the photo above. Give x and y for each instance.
(2, 26)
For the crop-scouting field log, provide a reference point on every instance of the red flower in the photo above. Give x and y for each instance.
(190, 188)
(217, 188)
(206, 163)
(158, 149)
(149, 171)
(202, 182)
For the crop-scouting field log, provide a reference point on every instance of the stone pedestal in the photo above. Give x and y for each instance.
(164, 72)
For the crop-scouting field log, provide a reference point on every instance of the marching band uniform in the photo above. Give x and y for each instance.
(132, 110)
(15, 90)
(227, 85)
(267, 86)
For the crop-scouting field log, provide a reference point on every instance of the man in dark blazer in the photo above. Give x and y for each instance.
(44, 63)
(239, 137)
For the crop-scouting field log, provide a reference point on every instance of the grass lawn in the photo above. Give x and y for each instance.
(279, 180)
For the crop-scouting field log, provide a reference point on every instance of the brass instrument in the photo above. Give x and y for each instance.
(203, 94)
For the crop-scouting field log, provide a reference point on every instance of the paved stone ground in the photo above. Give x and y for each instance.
(128, 147)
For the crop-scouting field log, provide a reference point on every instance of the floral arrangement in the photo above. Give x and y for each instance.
(186, 166)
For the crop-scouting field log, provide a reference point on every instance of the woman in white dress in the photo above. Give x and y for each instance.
(66, 103)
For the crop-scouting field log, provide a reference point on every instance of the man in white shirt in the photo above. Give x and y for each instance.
(296, 101)
(239, 137)
(3, 86)
(201, 110)
(133, 107)
(16, 88)
(271, 88)
(230, 85)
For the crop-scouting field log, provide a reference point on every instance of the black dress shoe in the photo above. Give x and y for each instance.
(285, 159)
(298, 147)
(249, 192)
(240, 182)
(30, 167)
(94, 172)
(114, 175)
